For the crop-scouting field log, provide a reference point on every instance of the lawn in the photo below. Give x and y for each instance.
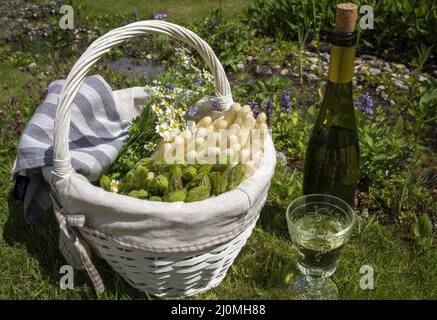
(179, 11)
(396, 188)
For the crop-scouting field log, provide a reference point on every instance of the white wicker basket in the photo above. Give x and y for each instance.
(90, 216)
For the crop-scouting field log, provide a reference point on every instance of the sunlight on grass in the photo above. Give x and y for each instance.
(178, 10)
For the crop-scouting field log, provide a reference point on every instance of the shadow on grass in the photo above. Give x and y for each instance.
(272, 220)
(41, 242)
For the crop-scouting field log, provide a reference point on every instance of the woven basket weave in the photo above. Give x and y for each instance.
(165, 272)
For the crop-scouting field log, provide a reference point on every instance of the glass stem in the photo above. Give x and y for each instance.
(315, 283)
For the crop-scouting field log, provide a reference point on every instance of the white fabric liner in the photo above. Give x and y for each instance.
(160, 225)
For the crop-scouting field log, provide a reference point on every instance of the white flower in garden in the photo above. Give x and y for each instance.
(163, 130)
(186, 61)
(180, 112)
(157, 109)
(207, 76)
(166, 104)
(159, 93)
(174, 125)
(170, 113)
(150, 146)
(114, 185)
(170, 95)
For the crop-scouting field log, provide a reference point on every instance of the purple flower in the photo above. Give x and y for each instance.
(193, 111)
(169, 87)
(254, 107)
(198, 82)
(268, 107)
(52, 27)
(285, 102)
(216, 105)
(160, 16)
(365, 104)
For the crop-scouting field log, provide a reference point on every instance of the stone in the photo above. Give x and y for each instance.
(387, 69)
(324, 56)
(374, 71)
(380, 88)
(367, 57)
(281, 158)
(324, 47)
(276, 67)
(284, 72)
(263, 70)
(313, 60)
(400, 84)
(314, 67)
(422, 78)
(312, 77)
(399, 66)
(241, 66)
(149, 57)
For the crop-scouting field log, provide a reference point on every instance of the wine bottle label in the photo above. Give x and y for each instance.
(341, 66)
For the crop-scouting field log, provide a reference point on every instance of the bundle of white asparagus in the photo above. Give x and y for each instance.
(236, 137)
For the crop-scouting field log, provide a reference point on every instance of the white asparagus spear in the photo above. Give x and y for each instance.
(204, 122)
(232, 113)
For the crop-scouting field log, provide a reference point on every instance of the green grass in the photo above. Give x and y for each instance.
(180, 11)
(29, 268)
(15, 80)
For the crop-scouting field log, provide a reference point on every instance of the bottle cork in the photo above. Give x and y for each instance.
(346, 17)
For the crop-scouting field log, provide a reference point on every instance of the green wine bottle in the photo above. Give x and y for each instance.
(332, 155)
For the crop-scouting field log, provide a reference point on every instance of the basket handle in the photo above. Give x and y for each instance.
(62, 161)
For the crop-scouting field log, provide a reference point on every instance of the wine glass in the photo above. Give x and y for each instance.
(319, 226)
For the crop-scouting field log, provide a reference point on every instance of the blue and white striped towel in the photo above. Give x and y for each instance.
(97, 134)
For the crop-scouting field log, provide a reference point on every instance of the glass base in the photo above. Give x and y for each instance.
(323, 290)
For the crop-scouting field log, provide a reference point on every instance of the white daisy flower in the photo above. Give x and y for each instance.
(150, 146)
(114, 185)
(157, 109)
(180, 112)
(163, 130)
(174, 125)
(170, 112)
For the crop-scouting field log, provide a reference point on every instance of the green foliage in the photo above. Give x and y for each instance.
(141, 132)
(286, 185)
(291, 132)
(403, 23)
(422, 230)
(228, 40)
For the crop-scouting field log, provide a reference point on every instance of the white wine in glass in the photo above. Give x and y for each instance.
(319, 226)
